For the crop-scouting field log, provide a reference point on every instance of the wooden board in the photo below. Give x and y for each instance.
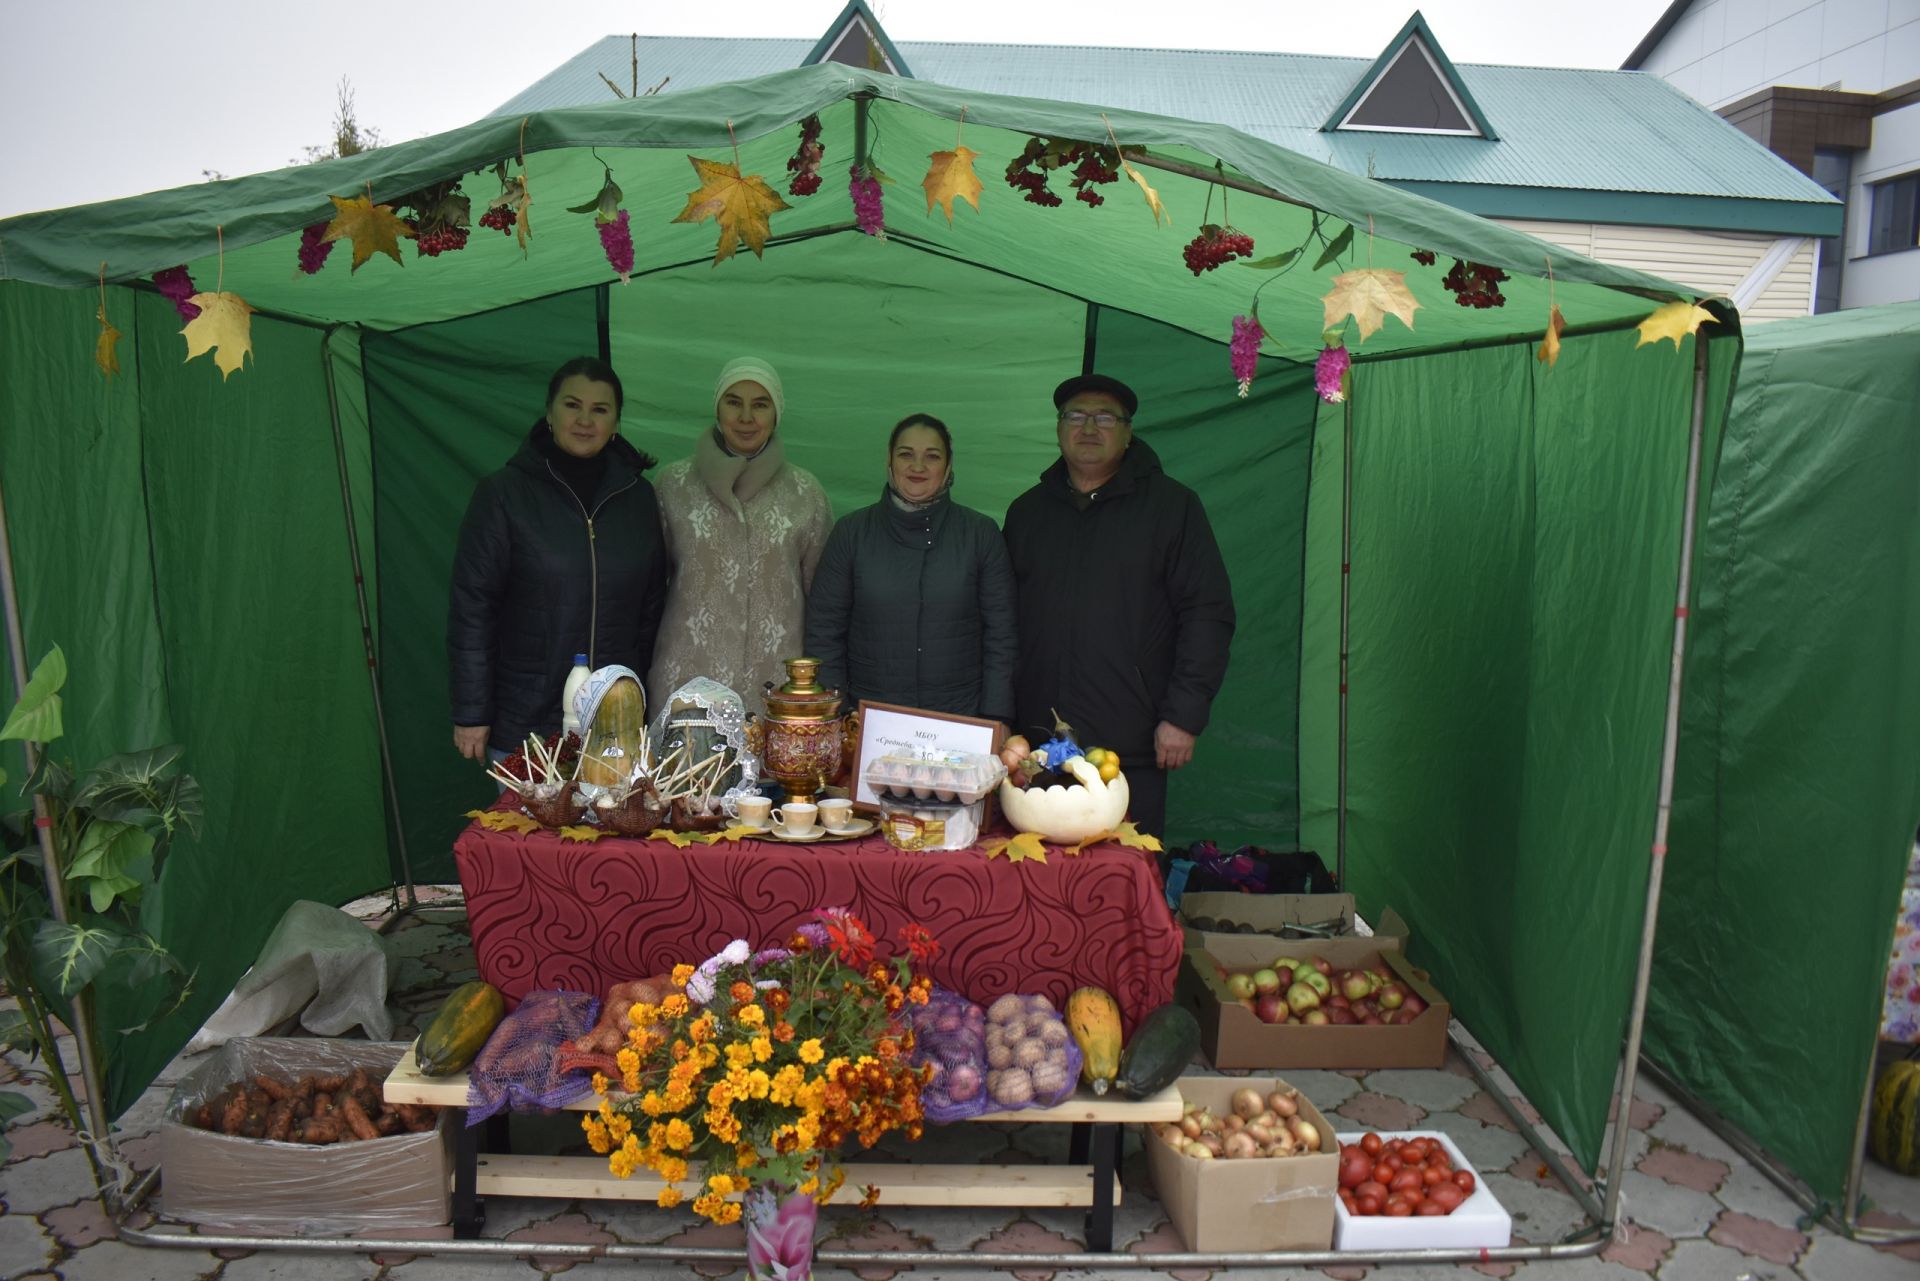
(406, 1085)
(899, 1184)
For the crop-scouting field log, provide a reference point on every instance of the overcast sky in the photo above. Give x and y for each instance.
(109, 98)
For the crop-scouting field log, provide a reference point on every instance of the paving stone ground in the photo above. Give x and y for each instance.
(1696, 1210)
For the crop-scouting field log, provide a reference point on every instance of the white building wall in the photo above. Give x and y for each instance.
(1709, 261)
(1722, 50)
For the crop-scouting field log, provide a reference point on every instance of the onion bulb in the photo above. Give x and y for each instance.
(1190, 1126)
(1306, 1133)
(1240, 1146)
(1283, 1102)
(1246, 1103)
(1198, 1150)
(1233, 1124)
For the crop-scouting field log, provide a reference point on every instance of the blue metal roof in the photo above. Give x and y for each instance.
(1561, 131)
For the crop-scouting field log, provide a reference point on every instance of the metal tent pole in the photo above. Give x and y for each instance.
(1663, 811)
(90, 1074)
(366, 618)
(1346, 576)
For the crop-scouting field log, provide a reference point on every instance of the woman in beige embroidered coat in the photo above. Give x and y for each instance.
(744, 530)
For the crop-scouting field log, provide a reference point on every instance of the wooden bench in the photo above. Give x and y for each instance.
(1087, 1179)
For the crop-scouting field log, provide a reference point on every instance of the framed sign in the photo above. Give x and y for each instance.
(897, 735)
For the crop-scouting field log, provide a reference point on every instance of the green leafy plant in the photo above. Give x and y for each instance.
(111, 828)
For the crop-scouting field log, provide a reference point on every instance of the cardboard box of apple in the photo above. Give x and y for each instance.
(1309, 990)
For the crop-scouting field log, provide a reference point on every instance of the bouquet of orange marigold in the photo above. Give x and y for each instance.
(763, 1064)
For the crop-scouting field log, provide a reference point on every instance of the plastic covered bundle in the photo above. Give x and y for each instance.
(1032, 1061)
(237, 1184)
(520, 1066)
(949, 1032)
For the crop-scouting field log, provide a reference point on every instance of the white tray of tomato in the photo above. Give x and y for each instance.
(1413, 1190)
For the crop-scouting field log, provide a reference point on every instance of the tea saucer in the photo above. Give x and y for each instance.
(781, 834)
(853, 831)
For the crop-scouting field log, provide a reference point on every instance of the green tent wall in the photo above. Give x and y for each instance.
(1516, 528)
(1799, 770)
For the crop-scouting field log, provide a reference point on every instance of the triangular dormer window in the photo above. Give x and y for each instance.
(1411, 88)
(856, 40)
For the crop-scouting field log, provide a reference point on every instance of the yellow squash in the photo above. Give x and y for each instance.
(1094, 1019)
(461, 1028)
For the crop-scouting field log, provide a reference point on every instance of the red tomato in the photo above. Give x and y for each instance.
(1430, 1208)
(1371, 1144)
(1355, 1168)
(1448, 1195)
(1370, 1204)
(1463, 1179)
(1371, 1189)
(1399, 1208)
(1432, 1175)
(1416, 1150)
(1390, 1161)
(1394, 1145)
(1406, 1181)
(1346, 1199)
(1438, 1157)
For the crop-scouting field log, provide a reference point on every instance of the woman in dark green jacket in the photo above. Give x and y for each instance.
(913, 599)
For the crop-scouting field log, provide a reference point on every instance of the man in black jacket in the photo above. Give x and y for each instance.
(1125, 612)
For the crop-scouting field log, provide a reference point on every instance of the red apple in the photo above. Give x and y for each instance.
(1265, 981)
(1241, 985)
(1355, 985)
(1271, 1007)
(1413, 1007)
(1391, 996)
(1301, 997)
(1341, 1016)
(1319, 1018)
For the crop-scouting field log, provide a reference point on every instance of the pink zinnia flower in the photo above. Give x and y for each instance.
(1328, 371)
(867, 211)
(616, 239)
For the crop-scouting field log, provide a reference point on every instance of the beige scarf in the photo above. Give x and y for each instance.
(731, 479)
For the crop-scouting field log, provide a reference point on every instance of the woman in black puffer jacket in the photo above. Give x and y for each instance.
(913, 599)
(560, 554)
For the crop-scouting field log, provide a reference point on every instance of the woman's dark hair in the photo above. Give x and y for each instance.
(592, 367)
(922, 420)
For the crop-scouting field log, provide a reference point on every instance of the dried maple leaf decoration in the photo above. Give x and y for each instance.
(1675, 320)
(1018, 849)
(1549, 353)
(741, 205)
(372, 228)
(224, 327)
(1370, 296)
(950, 177)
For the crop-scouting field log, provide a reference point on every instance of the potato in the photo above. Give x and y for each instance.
(1050, 1080)
(1029, 1052)
(1014, 1088)
(999, 1055)
(1008, 1007)
(1054, 1032)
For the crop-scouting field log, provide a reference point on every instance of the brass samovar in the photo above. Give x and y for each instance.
(803, 742)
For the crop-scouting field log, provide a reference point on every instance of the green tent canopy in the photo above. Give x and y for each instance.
(1514, 527)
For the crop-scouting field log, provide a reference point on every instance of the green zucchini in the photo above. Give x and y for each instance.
(1162, 1048)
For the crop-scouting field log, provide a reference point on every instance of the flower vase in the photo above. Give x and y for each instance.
(780, 1226)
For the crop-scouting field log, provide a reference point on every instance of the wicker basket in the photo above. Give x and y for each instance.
(684, 820)
(562, 809)
(638, 815)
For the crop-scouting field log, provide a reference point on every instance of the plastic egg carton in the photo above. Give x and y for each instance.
(958, 777)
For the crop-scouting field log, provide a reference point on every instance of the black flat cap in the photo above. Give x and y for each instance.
(1096, 382)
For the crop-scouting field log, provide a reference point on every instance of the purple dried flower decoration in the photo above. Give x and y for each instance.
(616, 238)
(867, 212)
(176, 284)
(314, 248)
(1246, 351)
(1328, 373)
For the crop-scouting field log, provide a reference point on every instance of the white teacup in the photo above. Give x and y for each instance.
(797, 818)
(756, 810)
(836, 813)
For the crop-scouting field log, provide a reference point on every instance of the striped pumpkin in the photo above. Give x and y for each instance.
(1894, 1132)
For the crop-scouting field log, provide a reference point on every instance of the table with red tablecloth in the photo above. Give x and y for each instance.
(549, 912)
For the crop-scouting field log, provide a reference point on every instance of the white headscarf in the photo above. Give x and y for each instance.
(751, 369)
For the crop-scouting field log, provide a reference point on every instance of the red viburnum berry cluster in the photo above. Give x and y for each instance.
(804, 164)
(314, 248)
(1474, 284)
(431, 242)
(1091, 165)
(1215, 245)
(1423, 256)
(500, 218)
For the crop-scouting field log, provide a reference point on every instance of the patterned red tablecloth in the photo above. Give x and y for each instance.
(553, 913)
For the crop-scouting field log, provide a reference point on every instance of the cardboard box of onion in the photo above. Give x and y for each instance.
(1311, 1003)
(1241, 1200)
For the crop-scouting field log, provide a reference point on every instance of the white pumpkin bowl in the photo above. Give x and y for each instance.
(1068, 814)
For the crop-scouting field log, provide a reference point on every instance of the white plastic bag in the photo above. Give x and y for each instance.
(318, 963)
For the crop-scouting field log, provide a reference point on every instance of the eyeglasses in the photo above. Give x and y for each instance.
(1105, 422)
